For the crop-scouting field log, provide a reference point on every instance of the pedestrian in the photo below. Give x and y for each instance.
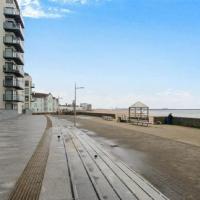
(170, 119)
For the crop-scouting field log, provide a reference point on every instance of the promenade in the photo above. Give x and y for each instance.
(77, 167)
(18, 140)
(167, 156)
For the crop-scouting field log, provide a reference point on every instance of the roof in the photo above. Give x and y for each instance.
(139, 105)
(39, 95)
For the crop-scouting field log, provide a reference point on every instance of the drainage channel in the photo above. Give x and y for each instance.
(29, 184)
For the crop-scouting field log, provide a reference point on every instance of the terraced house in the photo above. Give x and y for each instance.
(44, 103)
(11, 56)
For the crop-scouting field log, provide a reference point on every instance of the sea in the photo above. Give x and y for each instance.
(191, 113)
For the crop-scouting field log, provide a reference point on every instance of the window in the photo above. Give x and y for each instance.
(9, 52)
(9, 65)
(26, 83)
(26, 98)
(27, 91)
(9, 1)
(9, 106)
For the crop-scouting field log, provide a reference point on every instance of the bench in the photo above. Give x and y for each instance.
(140, 122)
(108, 118)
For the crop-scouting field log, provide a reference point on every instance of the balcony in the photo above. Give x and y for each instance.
(11, 54)
(12, 26)
(13, 97)
(32, 85)
(10, 67)
(11, 40)
(14, 13)
(15, 83)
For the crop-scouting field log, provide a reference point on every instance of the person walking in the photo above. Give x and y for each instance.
(170, 119)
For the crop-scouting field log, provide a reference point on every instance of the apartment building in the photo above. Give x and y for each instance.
(28, 85)
(11, 56)
(44, 103)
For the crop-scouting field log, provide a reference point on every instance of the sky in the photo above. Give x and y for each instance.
(121, 51)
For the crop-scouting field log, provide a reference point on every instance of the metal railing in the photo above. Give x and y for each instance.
(9, 39)
(13, 26)
(13, 97)
(14, 55)
(11, 68)
(14, 83)
(10, 11)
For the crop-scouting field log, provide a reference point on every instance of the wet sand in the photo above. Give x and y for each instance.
(167, 156)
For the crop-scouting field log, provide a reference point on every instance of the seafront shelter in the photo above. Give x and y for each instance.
(139, 111)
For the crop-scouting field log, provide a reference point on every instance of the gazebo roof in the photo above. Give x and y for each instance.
(139, 105)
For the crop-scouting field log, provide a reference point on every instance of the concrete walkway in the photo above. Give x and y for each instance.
(79, 168)
(18, 140)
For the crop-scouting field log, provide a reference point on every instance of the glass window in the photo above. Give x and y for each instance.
(9, 1)
(9, 65)
(26, 98)
(26, 83)
(9, 52)
(27, 91)
(9, 106)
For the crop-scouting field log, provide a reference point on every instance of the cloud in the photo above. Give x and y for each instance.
(71, 1)
(34, 9)
(77, 1)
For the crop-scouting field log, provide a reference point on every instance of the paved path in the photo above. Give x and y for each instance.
(79, 168)
(178, 133)
(18, 140)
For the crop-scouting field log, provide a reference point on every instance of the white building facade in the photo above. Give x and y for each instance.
(86, 106)
(44, 103)
(28, 85)
(11, 56)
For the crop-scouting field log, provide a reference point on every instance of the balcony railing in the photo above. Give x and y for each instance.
(12, 26)
(14, 55)
(32, 85)
(13, 97)
(10, 40)
(15, 83)
(15, 13)
(14, 69)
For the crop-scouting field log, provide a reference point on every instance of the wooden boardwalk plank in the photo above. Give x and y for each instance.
(137, 184)
(80, 179)
(94, 174)
(102, 183)
(116, 183)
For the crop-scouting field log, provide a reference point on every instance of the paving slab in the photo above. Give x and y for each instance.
(56, 183)
(18, 140)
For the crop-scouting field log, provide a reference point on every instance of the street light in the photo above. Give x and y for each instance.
(75, 88)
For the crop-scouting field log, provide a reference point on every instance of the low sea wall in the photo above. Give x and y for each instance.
(45, 113)
(180, 121)
(94, 114)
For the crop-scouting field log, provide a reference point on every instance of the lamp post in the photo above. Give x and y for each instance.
(75, 89)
